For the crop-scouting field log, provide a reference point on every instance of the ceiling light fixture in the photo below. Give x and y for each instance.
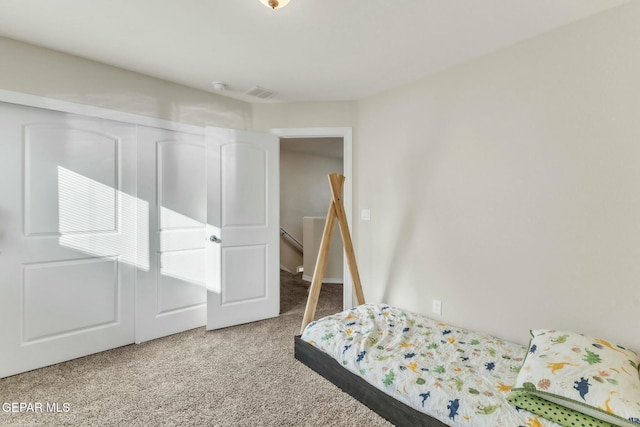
(219, 86)
(275, 4)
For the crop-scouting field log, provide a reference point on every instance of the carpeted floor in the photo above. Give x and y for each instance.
(240, 376)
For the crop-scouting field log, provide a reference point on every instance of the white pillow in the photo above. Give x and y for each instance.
(590, 375)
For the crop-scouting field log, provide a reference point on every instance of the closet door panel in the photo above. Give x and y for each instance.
(68, 219)
(171, 292)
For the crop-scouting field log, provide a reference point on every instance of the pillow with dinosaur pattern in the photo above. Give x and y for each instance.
(590, 375)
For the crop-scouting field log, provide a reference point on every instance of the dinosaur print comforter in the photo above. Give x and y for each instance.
(457, 376)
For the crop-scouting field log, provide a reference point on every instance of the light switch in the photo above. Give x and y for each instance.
(365, 215)
(436, 306)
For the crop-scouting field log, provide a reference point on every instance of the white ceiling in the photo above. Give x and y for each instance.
(312, 50)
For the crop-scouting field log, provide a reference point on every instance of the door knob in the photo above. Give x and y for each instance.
(214, 238)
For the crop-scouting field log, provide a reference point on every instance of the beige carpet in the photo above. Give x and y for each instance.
(240, 376)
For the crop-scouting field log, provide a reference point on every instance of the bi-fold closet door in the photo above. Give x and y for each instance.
(101, 235)
(107, 232)
(213, 225)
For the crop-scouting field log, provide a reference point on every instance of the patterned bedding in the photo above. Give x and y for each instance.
(457, 376)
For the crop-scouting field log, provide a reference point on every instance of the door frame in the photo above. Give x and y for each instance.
(346, 133)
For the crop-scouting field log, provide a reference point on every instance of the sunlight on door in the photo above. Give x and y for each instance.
(102, 221)
(89, 223)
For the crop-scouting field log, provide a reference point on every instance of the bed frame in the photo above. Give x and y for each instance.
(384, 405)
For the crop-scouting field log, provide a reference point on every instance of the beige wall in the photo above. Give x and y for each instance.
(304, 115)
(38, 71)
(304, 191)
(509, 187)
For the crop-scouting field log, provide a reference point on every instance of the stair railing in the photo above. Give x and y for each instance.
(291, 240)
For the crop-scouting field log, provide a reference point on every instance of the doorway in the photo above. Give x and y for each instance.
(308, 155)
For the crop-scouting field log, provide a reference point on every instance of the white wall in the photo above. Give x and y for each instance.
(304, 191)
(29, 69)
(304, 115)
(509, 187)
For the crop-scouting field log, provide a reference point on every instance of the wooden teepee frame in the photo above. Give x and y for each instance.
(336, 211)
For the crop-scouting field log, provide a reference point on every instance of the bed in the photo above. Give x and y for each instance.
(413, 370)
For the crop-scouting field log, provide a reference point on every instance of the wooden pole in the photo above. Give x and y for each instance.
(336, 210)
(337, 182)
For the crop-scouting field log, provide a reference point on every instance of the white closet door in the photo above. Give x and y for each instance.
(68, 218)
(243, 279)
(171, 292)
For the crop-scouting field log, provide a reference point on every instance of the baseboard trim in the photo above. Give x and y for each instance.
(335, 280)
(282, 267)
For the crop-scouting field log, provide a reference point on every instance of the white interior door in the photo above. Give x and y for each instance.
(243, 279)
(171, 292)
(67, 236)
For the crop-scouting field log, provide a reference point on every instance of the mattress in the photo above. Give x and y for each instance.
(457, 376)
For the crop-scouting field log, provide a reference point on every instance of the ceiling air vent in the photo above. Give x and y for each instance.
(260, 92)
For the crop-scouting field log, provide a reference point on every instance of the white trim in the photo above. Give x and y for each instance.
(282, 267)
(334, 280)
(96, 112)
(346, 133)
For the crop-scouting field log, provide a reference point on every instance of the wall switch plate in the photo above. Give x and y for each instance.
(365, 215)
(436, 306)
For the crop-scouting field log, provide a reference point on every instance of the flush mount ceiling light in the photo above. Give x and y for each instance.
(275, 4)
(219, 86)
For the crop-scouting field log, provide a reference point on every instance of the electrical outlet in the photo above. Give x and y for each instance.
(436, 306)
